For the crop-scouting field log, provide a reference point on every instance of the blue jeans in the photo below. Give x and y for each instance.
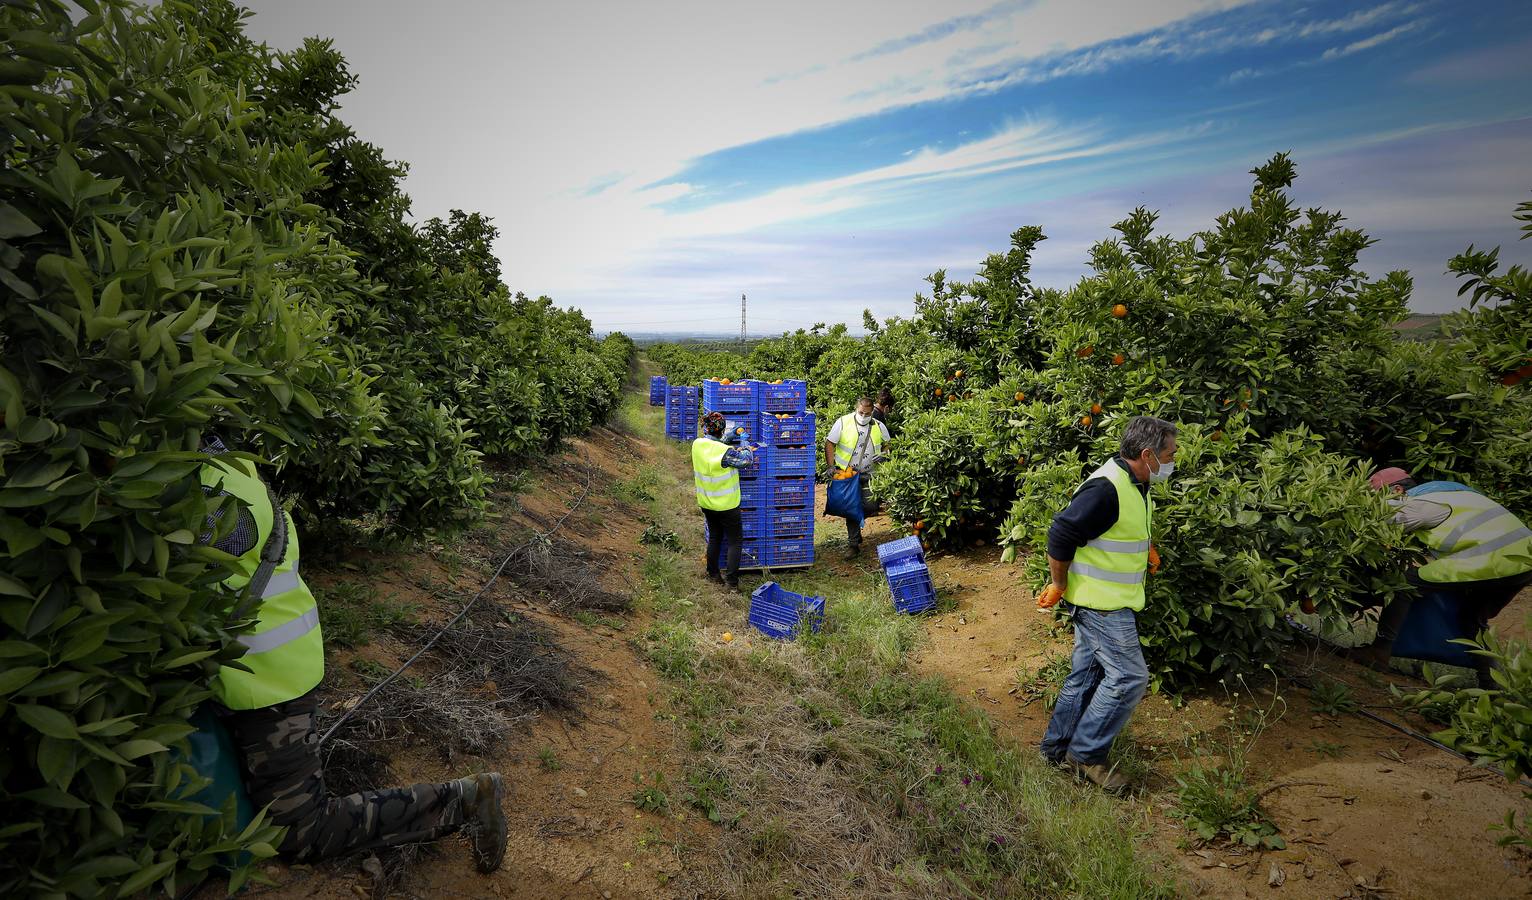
(1104, 686)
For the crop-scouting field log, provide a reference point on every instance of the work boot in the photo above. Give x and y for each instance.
(483, 804)
(853, 551)
(715, 577)
(1101, 776)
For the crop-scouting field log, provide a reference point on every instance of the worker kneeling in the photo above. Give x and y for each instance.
(269, 710)
(1482, 557)
(1098, 554)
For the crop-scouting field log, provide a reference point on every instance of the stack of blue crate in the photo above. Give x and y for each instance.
(777, 491)
(909, 580)
(657, 390)
(680, 412)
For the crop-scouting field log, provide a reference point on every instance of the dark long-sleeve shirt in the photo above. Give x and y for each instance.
(1088, 516)
(738, 458)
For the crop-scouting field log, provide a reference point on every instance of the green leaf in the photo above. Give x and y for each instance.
(145, 877)
(12, 588)
(136, 748)
(16, 678)
(47, 720)
(14, 225)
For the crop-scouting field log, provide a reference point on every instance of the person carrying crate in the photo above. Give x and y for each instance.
(1099, 554)
(715, 473)
(1481, 558)
(856, 441)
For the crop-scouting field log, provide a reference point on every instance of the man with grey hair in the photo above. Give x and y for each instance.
(1098, 553)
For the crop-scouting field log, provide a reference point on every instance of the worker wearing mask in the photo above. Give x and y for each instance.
(856, 441)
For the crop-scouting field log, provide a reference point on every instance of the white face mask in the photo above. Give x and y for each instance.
(862, 420)
(1165, 471)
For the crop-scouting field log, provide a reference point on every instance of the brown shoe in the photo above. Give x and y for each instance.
(1101, 776)
(484, 803)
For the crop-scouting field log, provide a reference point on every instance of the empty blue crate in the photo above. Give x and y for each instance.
(736, 397)
(657, 390)
(782, 614)
(785, 431)
(898, 551)
(909, 583)
(791, 396)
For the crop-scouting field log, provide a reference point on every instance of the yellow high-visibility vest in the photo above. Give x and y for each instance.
(717, 484)
(1476, 542)
(847, 443)
(1108, 573)
(285, 650)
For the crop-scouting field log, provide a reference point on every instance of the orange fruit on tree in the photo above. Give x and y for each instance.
(958, 374)
(1095, 408)
(1085, 351)
(938, 392)
(1118, 359)
(1119, 311)
(1021, 460)
(1218, 435)
(920, 526)
(1020, 396)
(1085, 420)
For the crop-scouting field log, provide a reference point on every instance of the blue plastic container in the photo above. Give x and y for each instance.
(782, 614)
(782, 552)
(657, 390)
(793, 431)
(737, 397)
(791, 396)
(910, 586)
(895, 552)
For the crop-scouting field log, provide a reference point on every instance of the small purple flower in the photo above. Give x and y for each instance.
(963, 807)
(1000, 840)
(938, 770)
(965, 781)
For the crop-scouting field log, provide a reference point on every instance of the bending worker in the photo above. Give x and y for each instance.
(1098, 552)
(269, 710)
(856, 441)
(715, 472)
(1482, 556)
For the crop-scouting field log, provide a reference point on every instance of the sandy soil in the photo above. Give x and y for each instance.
(1369, 812)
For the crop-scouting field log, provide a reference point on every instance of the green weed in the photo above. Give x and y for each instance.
(548, 758)
(651, 797)
(1333, 698)
(1328, 749)
(1219, 801)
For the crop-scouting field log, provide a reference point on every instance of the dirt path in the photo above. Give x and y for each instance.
(1370, 812)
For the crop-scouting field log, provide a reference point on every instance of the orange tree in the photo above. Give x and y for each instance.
(190, 243)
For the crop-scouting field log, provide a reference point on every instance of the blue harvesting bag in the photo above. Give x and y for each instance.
(843, 498)
(211, 752)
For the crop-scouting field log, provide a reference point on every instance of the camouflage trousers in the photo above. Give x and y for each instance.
(279, 749)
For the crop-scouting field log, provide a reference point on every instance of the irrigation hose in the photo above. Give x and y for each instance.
(542, 535)
(1402, 729)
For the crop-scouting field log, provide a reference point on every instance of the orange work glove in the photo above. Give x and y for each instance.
(1154, 560)
(1050, 597)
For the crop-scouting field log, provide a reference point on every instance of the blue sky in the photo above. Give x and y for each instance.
(650, 162)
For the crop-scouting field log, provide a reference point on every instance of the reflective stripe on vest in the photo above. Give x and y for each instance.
(285, 648)
(848, 436)
(1476, 542)
(716, 484)
(1108, 572)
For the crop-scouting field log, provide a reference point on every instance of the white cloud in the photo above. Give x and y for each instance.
(1370, 42)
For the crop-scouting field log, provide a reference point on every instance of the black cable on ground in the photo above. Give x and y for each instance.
(1402, 729)
(542, 535)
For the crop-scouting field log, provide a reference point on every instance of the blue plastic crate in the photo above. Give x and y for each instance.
(897, 551)
(789, 521)
(910, 585)
(790, 552)
(792, 431)
(791, 396)
(657, 385)
(787, 492)
(783, 614)
(752, 552)
(795, 461)
(736, 397)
